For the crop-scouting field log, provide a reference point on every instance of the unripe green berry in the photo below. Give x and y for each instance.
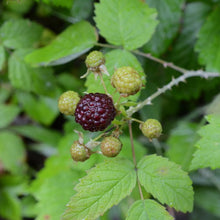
(111, 146)
(79, 152)
(151, 128)
(67, 102)
(126, 80)
(94, 60)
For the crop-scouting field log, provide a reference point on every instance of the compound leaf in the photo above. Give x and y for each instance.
(167, 182)
(74, 41)
(169, 13)
(148, 210)
(208, 45)
(20, 33)
(104, 186)
(208, 147)
(113, 18)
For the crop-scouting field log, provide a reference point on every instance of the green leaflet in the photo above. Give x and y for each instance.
(12, 153)
(208, 147)
(54, 184)
(148, 210)
(41, 108)
(208, 199)
(66, 3)
(22, 76)
(167, 182)
(20, 33)
(113, 18)
(115, 59)
(38, 133)
(181, 144)
(7, 114)
(183, 52)
(74, 41)
(10, 207)
(104, 186)
(208, 45)
(2, 57)
(169, 14)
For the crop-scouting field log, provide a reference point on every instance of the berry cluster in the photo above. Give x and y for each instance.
(96, 111)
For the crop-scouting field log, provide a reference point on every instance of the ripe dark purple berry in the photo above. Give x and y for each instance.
(95, 111)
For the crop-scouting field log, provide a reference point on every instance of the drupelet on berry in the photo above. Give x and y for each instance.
(95, 111)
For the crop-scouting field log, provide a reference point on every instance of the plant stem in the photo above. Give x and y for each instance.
(107, 45)
(164, 63)
(103, 83)
(132, 143)
(134, 158)
(173, 82)
(157, 146)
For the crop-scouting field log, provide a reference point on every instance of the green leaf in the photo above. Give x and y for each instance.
(208, 199)
(20, 33)
(166, 182)
(38, 133)
(214, 106)
(7, 114)
(66, 3)
(148, 210)
(2, 57)
(41, 108)
(104, 186)
(20, 7)
(10, 207)
(208, 45)
(114, 59)
(113, 18)
(183, 52)
(181, 144)
(169, 14)
(74, 41)
(63, 171)
(22, 76)
(4, 94)
(12, 153)
(55, 193)
(208, 147)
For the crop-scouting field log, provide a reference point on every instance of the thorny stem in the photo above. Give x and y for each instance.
(173, 82)
(134, 158)
(164, 63)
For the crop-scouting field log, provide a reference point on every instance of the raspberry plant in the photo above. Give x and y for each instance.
(109, 109)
